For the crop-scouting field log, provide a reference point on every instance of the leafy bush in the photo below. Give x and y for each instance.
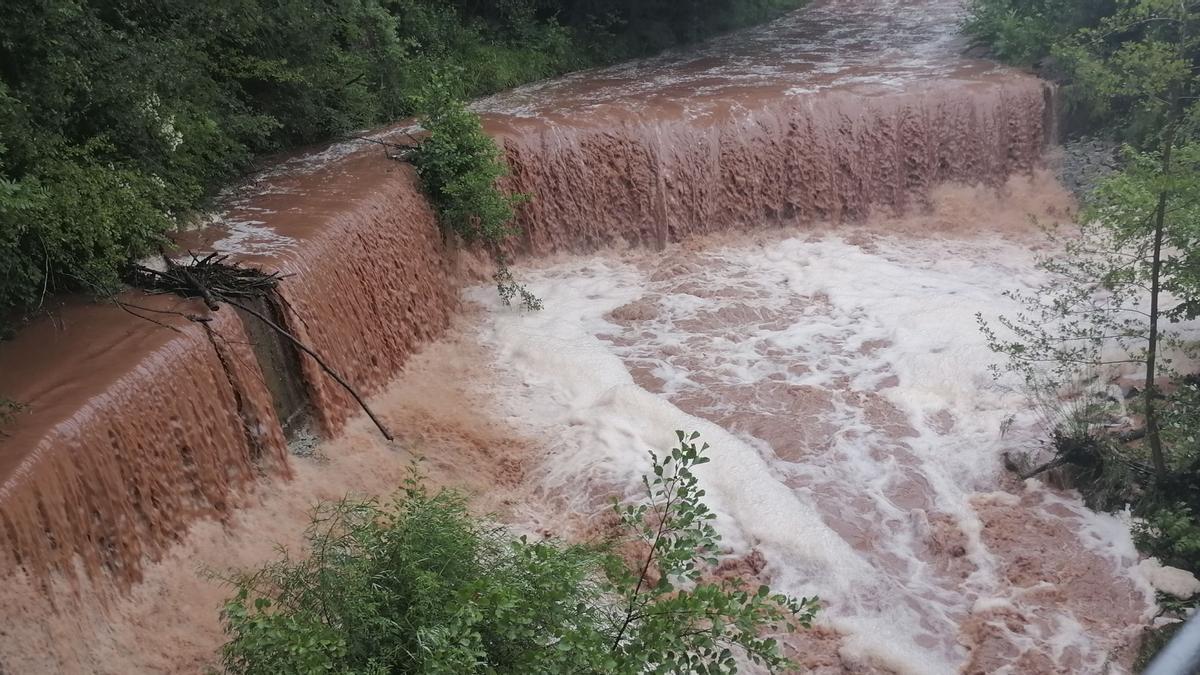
(77, 215)
(1024, 31)
(1171, 512)
(1012, 35)
(421, 586)
(1172, 534)
(459, 166)
(1181, 425)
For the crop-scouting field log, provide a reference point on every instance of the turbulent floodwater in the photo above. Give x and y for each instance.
(857, 439)
(856, 436)
(836, 371)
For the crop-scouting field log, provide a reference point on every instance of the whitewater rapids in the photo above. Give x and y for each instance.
(856, 436)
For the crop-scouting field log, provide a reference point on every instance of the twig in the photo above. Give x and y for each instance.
(1052, 464)
(204, 293)
(127, 308)
(402, 151)
(287, 306)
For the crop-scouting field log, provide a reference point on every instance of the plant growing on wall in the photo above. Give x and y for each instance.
(460, 167)
(419, 585)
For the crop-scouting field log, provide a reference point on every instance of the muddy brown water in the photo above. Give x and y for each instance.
(145, 451)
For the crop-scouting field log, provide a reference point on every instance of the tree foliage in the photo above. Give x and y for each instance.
(1118, 60)
(1092, 310)
(418, 585)
(1025, 31)
(1120, 286)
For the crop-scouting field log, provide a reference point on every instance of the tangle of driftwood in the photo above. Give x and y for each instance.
(214, 280)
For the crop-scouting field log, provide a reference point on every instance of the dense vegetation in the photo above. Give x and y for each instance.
(1107, 54)
(1024, 32)
(422, 586)
(1128, 277)
(120, 117)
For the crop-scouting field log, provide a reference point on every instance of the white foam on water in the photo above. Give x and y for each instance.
(905, 424)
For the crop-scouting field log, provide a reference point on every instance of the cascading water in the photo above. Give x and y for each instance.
(838, 374)
(184, 418)
(136, 429)
(822, 116)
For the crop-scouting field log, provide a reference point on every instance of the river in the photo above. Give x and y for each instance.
(780, 240)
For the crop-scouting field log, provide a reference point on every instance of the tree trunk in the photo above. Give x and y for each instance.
(1160, 216)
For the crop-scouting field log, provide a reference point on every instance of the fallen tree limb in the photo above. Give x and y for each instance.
(402, 152)
(1052, 464)
(214, 281)
(320, 362)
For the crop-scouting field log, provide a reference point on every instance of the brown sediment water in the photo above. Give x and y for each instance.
(171, 421)
(141, 442)
(825, 115)
(373, 281)
(133, 428)
(646, 180)
(169, 621)
(856, 431)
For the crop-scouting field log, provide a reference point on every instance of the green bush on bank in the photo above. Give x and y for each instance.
(421, 586)
(1023, 32)
(119, 117)
(460, 167)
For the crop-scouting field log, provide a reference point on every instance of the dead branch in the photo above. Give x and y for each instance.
(214, 280)
(1052, 464)
(324, 366)
(402, 152)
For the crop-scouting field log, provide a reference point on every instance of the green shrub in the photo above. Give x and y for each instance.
(460, 167)
(1171, 527)
(1013, 36)
(1172, 534)
(421, 586)
(73, 224)
(1024, 31)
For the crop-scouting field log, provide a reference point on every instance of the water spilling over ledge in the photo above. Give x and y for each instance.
(143, 430)
(822, 116)
(134, 431)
